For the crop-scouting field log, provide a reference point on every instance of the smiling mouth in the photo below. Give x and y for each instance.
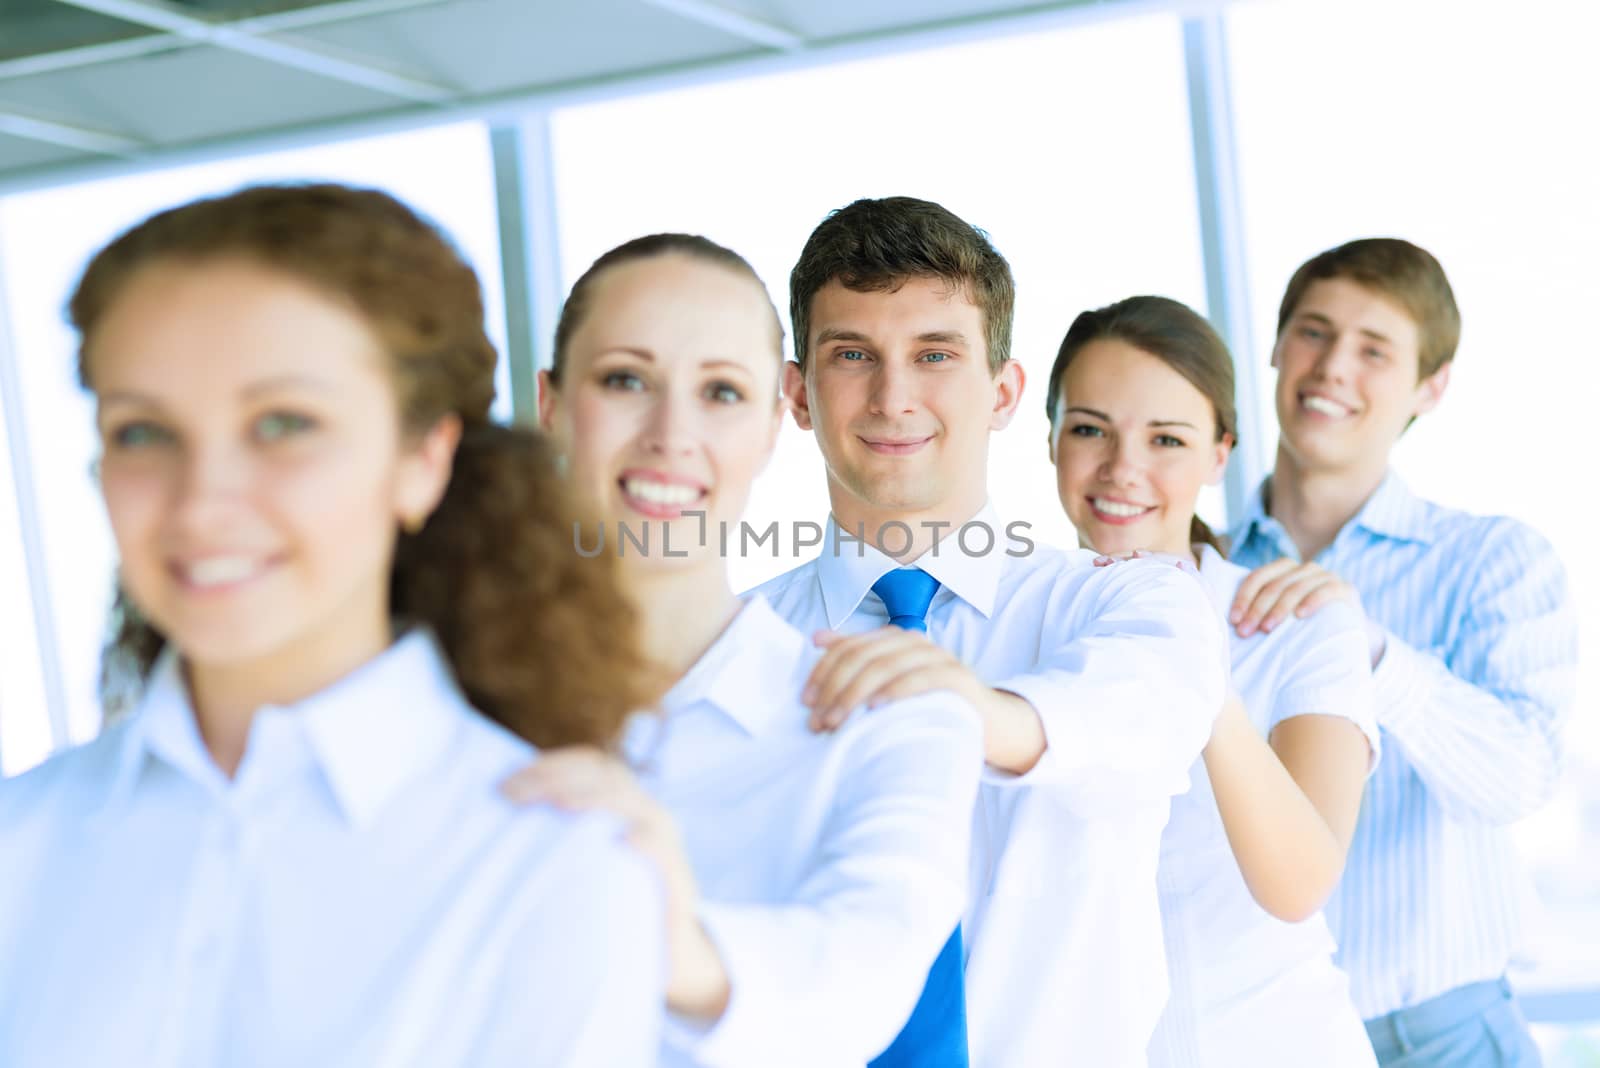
(902, 447)
(1118, 513)
(217, 574)
(657, 499)
(1328, 409)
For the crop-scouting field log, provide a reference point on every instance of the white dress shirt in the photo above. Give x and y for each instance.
(1473, 694)
(358, 895)
(1249, 990)
(1126, 667)
(831, 867)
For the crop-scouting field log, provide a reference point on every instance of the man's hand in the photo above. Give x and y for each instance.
(1274, 592)
(580, 778)
(891, 664)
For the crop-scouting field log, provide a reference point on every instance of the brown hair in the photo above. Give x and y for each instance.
(541, 639)
(877, 245)
(650, 246)
(1176, 335)
(1403, 273)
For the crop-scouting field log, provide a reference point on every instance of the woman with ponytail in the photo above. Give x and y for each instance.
(811, 878)
(347, 604)
(1142, 417)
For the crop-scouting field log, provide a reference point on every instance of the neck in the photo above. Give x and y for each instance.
(1313, 505)
(227, 696)
(682, 612)
(853, 516)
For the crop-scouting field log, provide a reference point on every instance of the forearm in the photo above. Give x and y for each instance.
(1483, 756)
(1290, 857)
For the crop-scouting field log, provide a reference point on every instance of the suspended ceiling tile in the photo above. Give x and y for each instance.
(490, 46)
(18, 153)
(194, 95)
(833, 19)
(29, 27)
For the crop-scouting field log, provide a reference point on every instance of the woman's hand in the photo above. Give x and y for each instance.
(581, 778)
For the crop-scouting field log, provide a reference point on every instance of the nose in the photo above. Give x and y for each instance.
(1124, 464)
(669, 425)
(212, 480)
(1338, 358)
(893, 390)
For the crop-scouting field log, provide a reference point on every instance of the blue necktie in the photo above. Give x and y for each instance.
(936, 1034)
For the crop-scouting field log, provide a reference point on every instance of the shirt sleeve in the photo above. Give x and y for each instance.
(832, 975)
(1481, 718)
(1328, 672)
(593, 985)
(1128, 689)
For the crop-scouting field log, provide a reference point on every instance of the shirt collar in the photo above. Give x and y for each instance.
(746, 674)
(1392, 511)
(847, 568)
(369, 733)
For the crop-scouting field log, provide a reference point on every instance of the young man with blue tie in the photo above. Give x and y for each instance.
(1474, 650)
(1097, 686)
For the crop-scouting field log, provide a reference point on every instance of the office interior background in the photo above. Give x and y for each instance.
(1199, 150)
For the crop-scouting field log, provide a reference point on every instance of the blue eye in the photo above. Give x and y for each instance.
(1311, 333)
(623, 380)
(853, 355)
(275, 426)
(139, 435)
(724, 393)
(1167, 441)
(936, 357)
(1084, 430)
(1376, 354)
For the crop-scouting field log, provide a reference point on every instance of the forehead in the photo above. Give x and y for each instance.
(917, 305)
(1346, 302)
(196, 324)
(679, 306)
(1121, 380)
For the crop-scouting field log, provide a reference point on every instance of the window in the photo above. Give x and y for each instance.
(1365, 120)
(1070, 148)
(46, 239)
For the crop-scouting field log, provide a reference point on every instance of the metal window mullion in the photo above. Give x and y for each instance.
(31, 529)
(530, 253)
(1222, 240)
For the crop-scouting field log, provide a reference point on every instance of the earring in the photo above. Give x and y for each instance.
(412, 524)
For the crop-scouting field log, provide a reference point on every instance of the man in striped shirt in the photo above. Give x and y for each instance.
(1474, 646)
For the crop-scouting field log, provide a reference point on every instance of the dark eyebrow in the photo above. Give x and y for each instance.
(834, 333)
(1325, 321)
(1104, 418)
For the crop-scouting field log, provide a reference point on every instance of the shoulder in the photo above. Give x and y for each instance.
(795, 582)
(73, 780)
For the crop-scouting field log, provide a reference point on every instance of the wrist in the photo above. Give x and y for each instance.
(698, 986)
(1013, 736)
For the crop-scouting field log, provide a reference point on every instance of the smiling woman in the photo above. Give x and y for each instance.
(336, 574)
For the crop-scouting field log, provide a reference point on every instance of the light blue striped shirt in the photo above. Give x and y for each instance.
(1475, 684)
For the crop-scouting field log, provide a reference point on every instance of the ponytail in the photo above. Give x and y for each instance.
(542, 639)
(1201, 534)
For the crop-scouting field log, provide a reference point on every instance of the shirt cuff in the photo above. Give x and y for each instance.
(1401, 682)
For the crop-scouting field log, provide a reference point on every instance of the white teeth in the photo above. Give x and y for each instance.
(1325, 407)
(661, 492)
(1117, 508)
(220, 570)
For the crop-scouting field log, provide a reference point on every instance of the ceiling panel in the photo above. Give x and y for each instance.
(833, 19)
(491, 46)
(166, 93)
(17, 153)
(193, 95)
(28, 27)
